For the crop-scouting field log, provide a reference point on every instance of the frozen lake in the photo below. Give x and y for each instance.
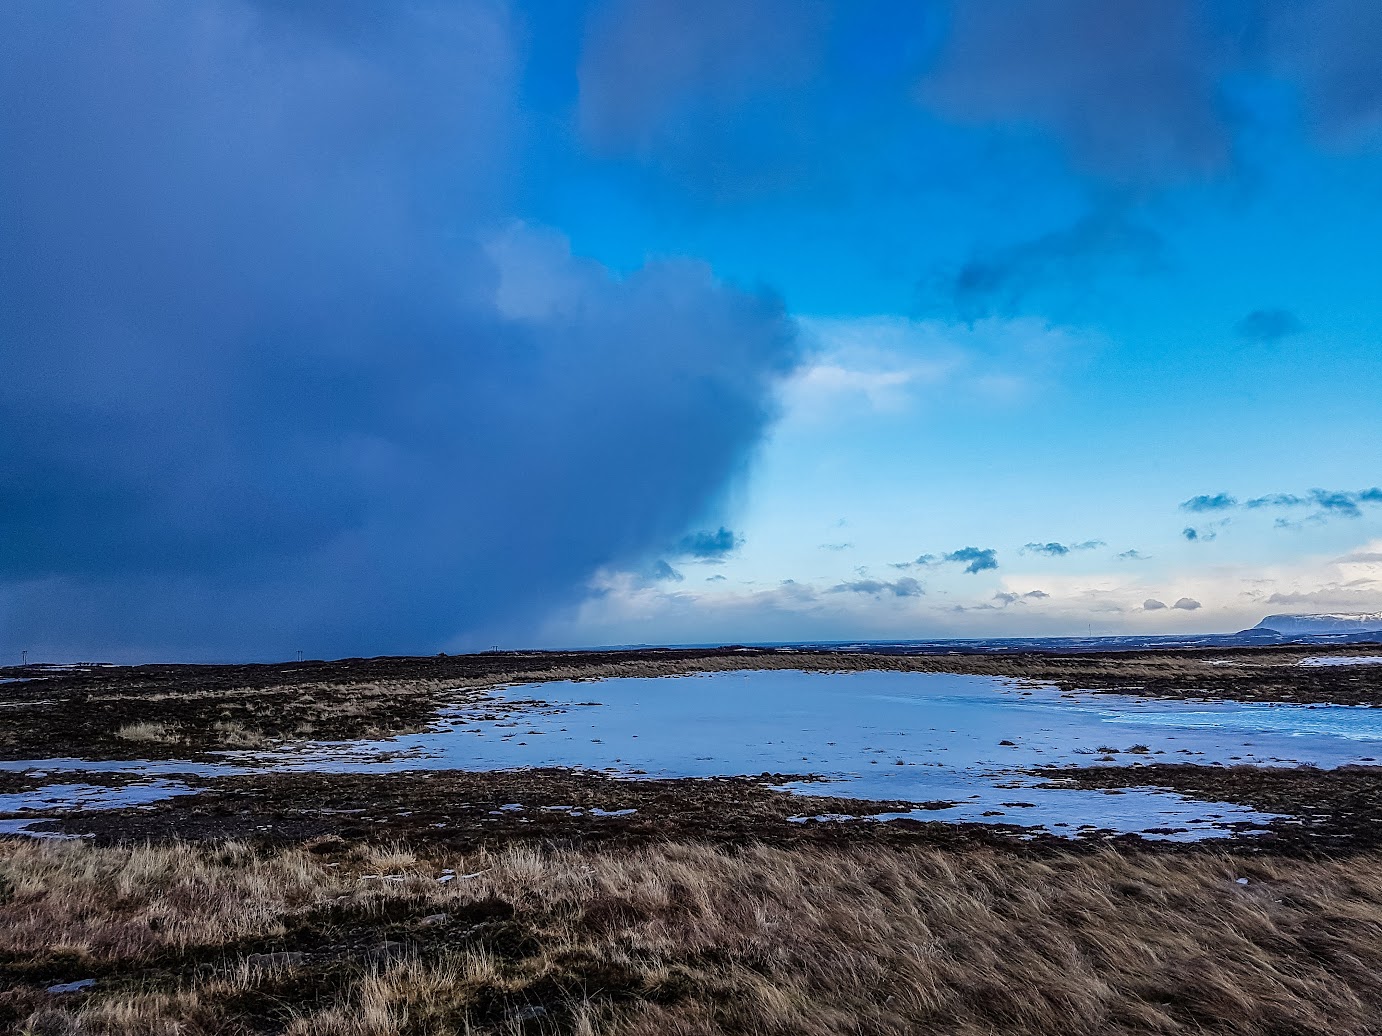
(919, 737)
(963, 745)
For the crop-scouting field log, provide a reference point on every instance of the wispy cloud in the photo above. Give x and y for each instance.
(1362, 557)
(1341, 503)
(661, 572)
(1132, 554)
(1060, 550)
(888, 365)
(1007, 598)
(1002, 281)
(1268, 325)
(1328, 503)
(1206, 502)
(904, 587)
(974, 559)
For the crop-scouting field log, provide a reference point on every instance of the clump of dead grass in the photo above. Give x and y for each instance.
(153, 733)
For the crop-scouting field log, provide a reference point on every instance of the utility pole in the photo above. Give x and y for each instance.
(23, 658)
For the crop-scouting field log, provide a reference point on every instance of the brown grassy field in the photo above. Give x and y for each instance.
(679, 938)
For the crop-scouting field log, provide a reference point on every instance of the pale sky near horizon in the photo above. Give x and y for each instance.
(355, 330)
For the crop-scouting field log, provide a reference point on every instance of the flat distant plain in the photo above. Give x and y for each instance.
(563, 901)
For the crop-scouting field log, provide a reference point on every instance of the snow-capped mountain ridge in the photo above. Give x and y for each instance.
(1322, 624)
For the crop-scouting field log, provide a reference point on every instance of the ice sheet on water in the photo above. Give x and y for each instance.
(916, 737)
(78, 797)
(142, 767)
(908, 737)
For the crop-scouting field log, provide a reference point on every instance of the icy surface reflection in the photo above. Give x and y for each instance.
(919, 737)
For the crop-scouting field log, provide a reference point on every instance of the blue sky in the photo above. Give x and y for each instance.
(351, 330)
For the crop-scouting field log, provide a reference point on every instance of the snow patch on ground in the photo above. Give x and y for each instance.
(1333, 660)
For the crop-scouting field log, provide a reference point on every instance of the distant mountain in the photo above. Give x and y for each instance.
(1331, 625)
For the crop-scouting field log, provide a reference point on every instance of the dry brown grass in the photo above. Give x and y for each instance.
(683, 939)
(153, 733)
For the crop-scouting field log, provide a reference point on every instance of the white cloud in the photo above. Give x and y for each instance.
(889, 364)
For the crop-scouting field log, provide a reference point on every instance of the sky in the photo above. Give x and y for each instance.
(351, 329)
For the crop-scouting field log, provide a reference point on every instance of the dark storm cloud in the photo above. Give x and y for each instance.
(709, 546)
(1268, 325)
(645, 62)
(1130, 86)
(731, 95)
(709, 92)
(1002, 280)
(1207, 502)
(904, 587)
(1135, 89)
(1330, 49)
(974, 559)
(266, 384)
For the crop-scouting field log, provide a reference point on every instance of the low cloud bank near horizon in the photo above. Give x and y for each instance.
(282, 372)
